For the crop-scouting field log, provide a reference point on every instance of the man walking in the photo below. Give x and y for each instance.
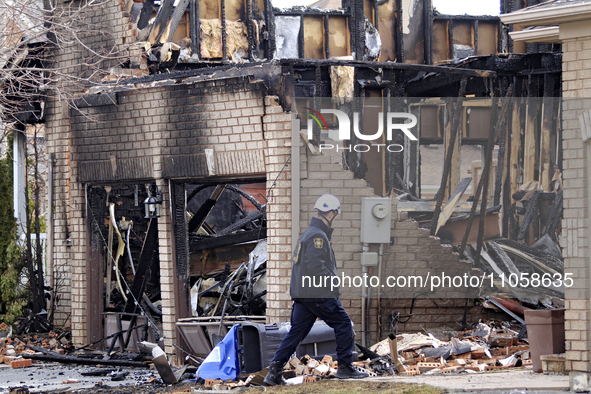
(313, 297)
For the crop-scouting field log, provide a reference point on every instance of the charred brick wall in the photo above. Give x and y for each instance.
(69, 198)
(158, 133)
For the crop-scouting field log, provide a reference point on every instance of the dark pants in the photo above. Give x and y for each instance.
(303, 316)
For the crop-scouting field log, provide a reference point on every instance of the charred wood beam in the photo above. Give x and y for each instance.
(501, 41)
(145, 263)
(250, 30)
(269, 18)
(450, 39)
(85, 361)
(397, 159)
(544, 196)
(374, 4)
(399, 32)
(542, 71)
(428, 31)
(195, 27)
(196, 245)
(507, 185)
(488, 163)
(241, 223)
(463, 18)
(483, 180)
(145, 14)
(250, 198)
(159, 25)
(301, 38)
(475, 26)
(426, 87)
(555, 215)
(224, 33)
(326, 37)
(457, 110)
(532, 206)
(501, 157)
(312, 12)
(205, 209)
(390, 65)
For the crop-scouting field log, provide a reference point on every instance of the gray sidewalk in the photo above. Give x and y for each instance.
(501, 382)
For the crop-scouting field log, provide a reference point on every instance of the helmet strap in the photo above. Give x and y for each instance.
(324, 217)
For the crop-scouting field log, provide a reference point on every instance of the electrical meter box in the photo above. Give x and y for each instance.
(376, 218)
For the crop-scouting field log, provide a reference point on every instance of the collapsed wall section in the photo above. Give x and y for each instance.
(412, 250)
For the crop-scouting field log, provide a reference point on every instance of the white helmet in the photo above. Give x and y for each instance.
(327, 203)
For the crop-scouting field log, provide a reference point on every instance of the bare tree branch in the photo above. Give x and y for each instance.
(36, 35)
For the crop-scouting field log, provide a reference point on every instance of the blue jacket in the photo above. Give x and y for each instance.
(314, 264)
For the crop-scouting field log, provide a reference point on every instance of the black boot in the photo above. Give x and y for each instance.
(274, 376)
(348, 371)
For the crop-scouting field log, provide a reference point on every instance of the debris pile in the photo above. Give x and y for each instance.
(238, 292)
(305, 369)
(14, 350)
(487, 346)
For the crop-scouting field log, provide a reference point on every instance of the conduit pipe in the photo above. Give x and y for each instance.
(364, 297)
(50, 232)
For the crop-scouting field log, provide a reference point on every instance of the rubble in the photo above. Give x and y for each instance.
(489, 345)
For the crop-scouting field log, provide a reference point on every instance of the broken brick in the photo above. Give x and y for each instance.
(21, 363)
(211, 382)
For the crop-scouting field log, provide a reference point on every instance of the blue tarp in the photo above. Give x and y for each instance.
(222, 361)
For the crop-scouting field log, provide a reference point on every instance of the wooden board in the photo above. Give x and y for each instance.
(453, 232)
(314, 37)
(387, 21)
(454, 174)
(529, 161)
(545, 136)
(440, 41)
(515, 133)
(368, 11)
(235, 10)
(463, 33)
(488, 34)
(339, 36)
(209, 9)
(375, 160)
(183, 30)
(258, 7)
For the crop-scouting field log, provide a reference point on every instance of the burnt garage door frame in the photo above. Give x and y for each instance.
(180, 227)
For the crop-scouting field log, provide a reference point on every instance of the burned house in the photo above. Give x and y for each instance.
(203, 122)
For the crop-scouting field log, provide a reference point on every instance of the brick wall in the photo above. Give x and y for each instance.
(144, 133)
(576, 78)
(69, 236)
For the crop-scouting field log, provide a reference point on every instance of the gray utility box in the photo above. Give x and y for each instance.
(257, 343)
(376, 218)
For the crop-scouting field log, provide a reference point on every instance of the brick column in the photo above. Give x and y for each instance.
(575, 238)
(277, 133)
